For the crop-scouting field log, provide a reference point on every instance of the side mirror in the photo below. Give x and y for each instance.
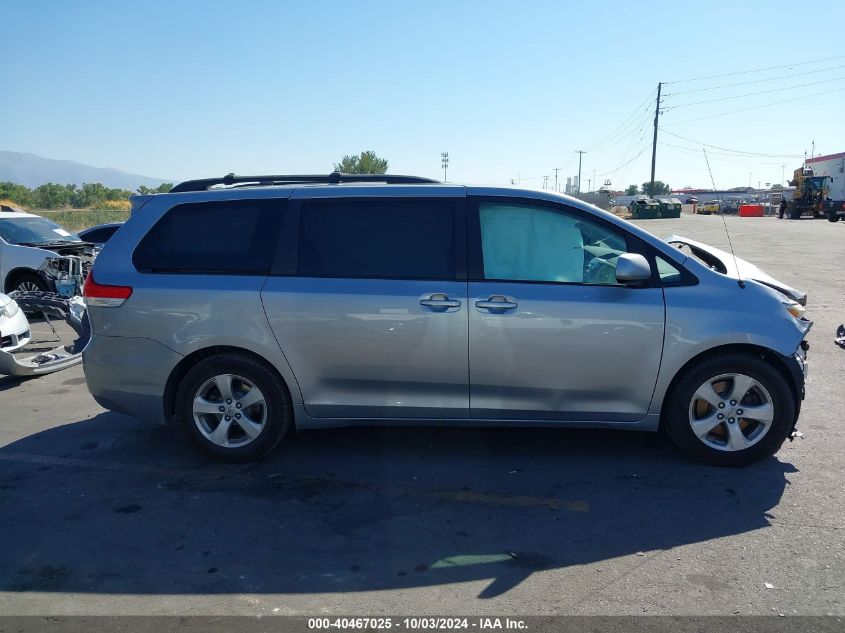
(632, 268)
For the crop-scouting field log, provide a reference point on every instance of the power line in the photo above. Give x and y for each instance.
(756, 70)
(628, 162)
(763, 105)
(625, 123)
(736, 151)
(752, 94)
(755, 81)
(728, 158)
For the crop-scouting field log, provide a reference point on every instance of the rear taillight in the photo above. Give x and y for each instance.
(103, 295)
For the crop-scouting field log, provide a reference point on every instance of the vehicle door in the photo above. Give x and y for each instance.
(369, 304)
(553, 335)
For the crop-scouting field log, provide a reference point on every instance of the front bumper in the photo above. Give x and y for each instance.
(14, 332)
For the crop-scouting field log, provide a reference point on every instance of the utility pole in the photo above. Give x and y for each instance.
(545, 181)
(556, 169)
(580, 153)
(654, 143)
(444, 162)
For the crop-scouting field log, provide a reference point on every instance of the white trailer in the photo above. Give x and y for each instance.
(832, 165)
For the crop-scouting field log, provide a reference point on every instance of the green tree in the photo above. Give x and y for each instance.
(367, 163)
(632, 190)
(90, 195)
(660, 188)
(162, 188)
(51, 196)
(16, 193)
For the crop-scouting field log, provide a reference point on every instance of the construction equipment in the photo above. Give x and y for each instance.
(811, 195)
(832, 166)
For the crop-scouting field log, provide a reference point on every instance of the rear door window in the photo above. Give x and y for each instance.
(226, 237)
(390, 239)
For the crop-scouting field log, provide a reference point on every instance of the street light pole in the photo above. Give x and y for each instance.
(580, 153)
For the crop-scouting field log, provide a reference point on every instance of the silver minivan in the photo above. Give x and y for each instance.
(240, 308)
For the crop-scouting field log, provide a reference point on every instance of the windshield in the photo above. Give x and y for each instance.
(34, 231)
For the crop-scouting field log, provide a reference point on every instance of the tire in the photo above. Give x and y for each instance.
(720, 447)
(25, 282)
(259, 427)
(833, 217)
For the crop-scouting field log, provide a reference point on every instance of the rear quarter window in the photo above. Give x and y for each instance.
(232, 236)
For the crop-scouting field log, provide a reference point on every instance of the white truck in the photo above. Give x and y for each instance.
(833, 167)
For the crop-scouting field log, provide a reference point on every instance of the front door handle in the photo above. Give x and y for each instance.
(439, 300)
(496, 303)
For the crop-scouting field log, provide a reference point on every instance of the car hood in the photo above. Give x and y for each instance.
(736, 267)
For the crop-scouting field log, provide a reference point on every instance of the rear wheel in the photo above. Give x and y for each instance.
(833, 217)
(730, 410)
(233, 408)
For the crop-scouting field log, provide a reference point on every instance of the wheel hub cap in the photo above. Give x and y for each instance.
(731, 412)
(229, 410)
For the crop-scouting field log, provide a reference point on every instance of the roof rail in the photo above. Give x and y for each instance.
(333, 178)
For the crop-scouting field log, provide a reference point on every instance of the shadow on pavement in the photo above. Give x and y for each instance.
(112, 505)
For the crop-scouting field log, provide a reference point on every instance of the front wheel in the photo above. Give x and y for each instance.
(730, 410)
(233, 408)
(28, 282)
(833, 217)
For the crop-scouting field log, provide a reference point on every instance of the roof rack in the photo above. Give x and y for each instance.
(333, 178)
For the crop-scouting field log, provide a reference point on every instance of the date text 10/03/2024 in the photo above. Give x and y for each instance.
(417, 623)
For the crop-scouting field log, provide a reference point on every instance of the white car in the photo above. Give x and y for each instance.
(37, 254)
(14, 328)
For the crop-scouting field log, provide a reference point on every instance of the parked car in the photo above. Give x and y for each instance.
(691, 200)
(242, 308)
(14, 328)
(100, 234)
(708, 207)
(37, 254)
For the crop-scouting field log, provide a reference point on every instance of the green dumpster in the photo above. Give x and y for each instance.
(643, 208)
(669, 207)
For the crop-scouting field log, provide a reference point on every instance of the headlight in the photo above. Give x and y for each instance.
(795, 309)
(9, 310)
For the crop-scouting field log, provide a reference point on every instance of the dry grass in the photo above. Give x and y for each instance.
(78, 219)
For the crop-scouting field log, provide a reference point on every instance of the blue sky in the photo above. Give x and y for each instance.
(185, 89)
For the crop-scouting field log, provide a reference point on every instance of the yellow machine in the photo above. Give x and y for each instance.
(811, 193)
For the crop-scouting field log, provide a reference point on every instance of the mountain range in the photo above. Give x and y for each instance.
(31, 170)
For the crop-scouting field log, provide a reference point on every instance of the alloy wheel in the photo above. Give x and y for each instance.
(229, 410)
(731, 412)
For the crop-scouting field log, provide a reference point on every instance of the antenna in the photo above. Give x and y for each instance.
(725, 224)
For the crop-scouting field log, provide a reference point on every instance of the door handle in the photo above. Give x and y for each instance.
(439, 300)
(496, 302)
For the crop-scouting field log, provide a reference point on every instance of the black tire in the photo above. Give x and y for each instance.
(279, 413)
(833, 217)
(676, 410)
(29, 280)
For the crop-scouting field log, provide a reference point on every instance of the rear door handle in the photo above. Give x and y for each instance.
(496, 302)
(439, 300)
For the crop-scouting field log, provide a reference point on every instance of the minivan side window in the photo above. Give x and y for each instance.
(225, 237)
(389, 239)
(524, 242)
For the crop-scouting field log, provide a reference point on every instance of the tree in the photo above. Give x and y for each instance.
(16, 193)
(51, 196)
(660, 188)
(367, 163)
(162, 188)
(632, 190)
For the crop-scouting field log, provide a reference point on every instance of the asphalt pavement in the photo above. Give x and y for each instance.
(103, 514)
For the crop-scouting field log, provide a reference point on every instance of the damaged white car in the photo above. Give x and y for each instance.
(39, 255)
(14, 328)
(42, 268)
